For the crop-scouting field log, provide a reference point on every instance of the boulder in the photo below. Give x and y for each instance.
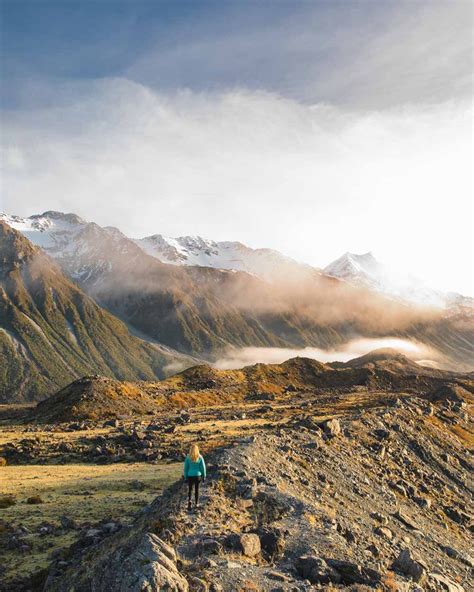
(352, 573)
(408, 566)
(445, 583)
(384, 532)
(209, 547)
(271, 506)
(331, 427)
(272, 542)
(249, 544)
(316, 570)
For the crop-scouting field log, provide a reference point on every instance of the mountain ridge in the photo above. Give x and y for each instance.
(51, 332)
(271, 265)
(201, 311)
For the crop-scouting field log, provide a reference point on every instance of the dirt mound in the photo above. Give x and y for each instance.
(95, 397)
(385, 358)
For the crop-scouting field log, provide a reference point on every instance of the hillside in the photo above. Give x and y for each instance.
(99, 398)
(52, 333)
(96, 398)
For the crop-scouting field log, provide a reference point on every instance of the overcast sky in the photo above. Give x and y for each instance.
(311, 127)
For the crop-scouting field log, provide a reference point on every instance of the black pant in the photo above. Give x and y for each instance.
(193, 481)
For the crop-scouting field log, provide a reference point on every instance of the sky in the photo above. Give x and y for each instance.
(312, 127)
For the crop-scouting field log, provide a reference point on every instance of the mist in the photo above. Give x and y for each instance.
(247, 356)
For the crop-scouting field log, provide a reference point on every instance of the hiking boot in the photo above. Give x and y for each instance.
(189, 506)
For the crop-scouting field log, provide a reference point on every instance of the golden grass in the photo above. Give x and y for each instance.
(85, 493)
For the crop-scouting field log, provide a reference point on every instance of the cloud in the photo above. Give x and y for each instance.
(274, 355)
(352, 54)
(312, 181)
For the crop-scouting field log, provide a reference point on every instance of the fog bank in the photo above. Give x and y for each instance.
(273, 355)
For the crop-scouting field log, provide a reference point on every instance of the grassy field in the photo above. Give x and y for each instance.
(84, 493)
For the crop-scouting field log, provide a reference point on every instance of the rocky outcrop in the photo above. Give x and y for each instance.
(143, 562)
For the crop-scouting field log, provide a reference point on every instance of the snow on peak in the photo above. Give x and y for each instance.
(86, 250)
(230, 255)
(365, 270)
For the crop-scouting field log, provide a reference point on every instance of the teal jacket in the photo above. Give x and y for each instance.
(194, 469)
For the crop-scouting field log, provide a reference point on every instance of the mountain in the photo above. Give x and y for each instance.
(76, 243)
(195, 250)
(199, 310)
(203, 311)
(365, 270)
(52, 333)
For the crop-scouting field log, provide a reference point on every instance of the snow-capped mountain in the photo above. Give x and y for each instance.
(84, 250)
(87, 252)
(365, 270)
(195, 250)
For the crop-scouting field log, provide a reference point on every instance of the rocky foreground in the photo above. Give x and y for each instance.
(378, 498)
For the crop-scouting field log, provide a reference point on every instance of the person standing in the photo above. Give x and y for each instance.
(194, 472)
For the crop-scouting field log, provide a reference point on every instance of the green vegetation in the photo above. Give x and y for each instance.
(52, 333)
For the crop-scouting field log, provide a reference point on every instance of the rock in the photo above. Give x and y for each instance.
(247, 488)
(331, 427)
(34, 500)
(248, 544)
(405, 519)
(197, 585)
(457, 515)
(112, 423)
(423, 502)
(316, 570)
(352, 573)
(462, 557)
(143, 562)
(379, 517)
(270, 507)
(374, 550)
(384, 532)
(93, 533)
(406, 565)
(67, 523)
(444, 583)
(209, 547)
(272, 542)
(111, 527)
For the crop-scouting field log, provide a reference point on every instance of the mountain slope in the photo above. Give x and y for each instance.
(202, 311)
(52, 333)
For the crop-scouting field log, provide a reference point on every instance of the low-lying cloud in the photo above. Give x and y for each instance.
(273, 355)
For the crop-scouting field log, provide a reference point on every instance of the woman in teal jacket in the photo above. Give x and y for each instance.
(194, 471)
